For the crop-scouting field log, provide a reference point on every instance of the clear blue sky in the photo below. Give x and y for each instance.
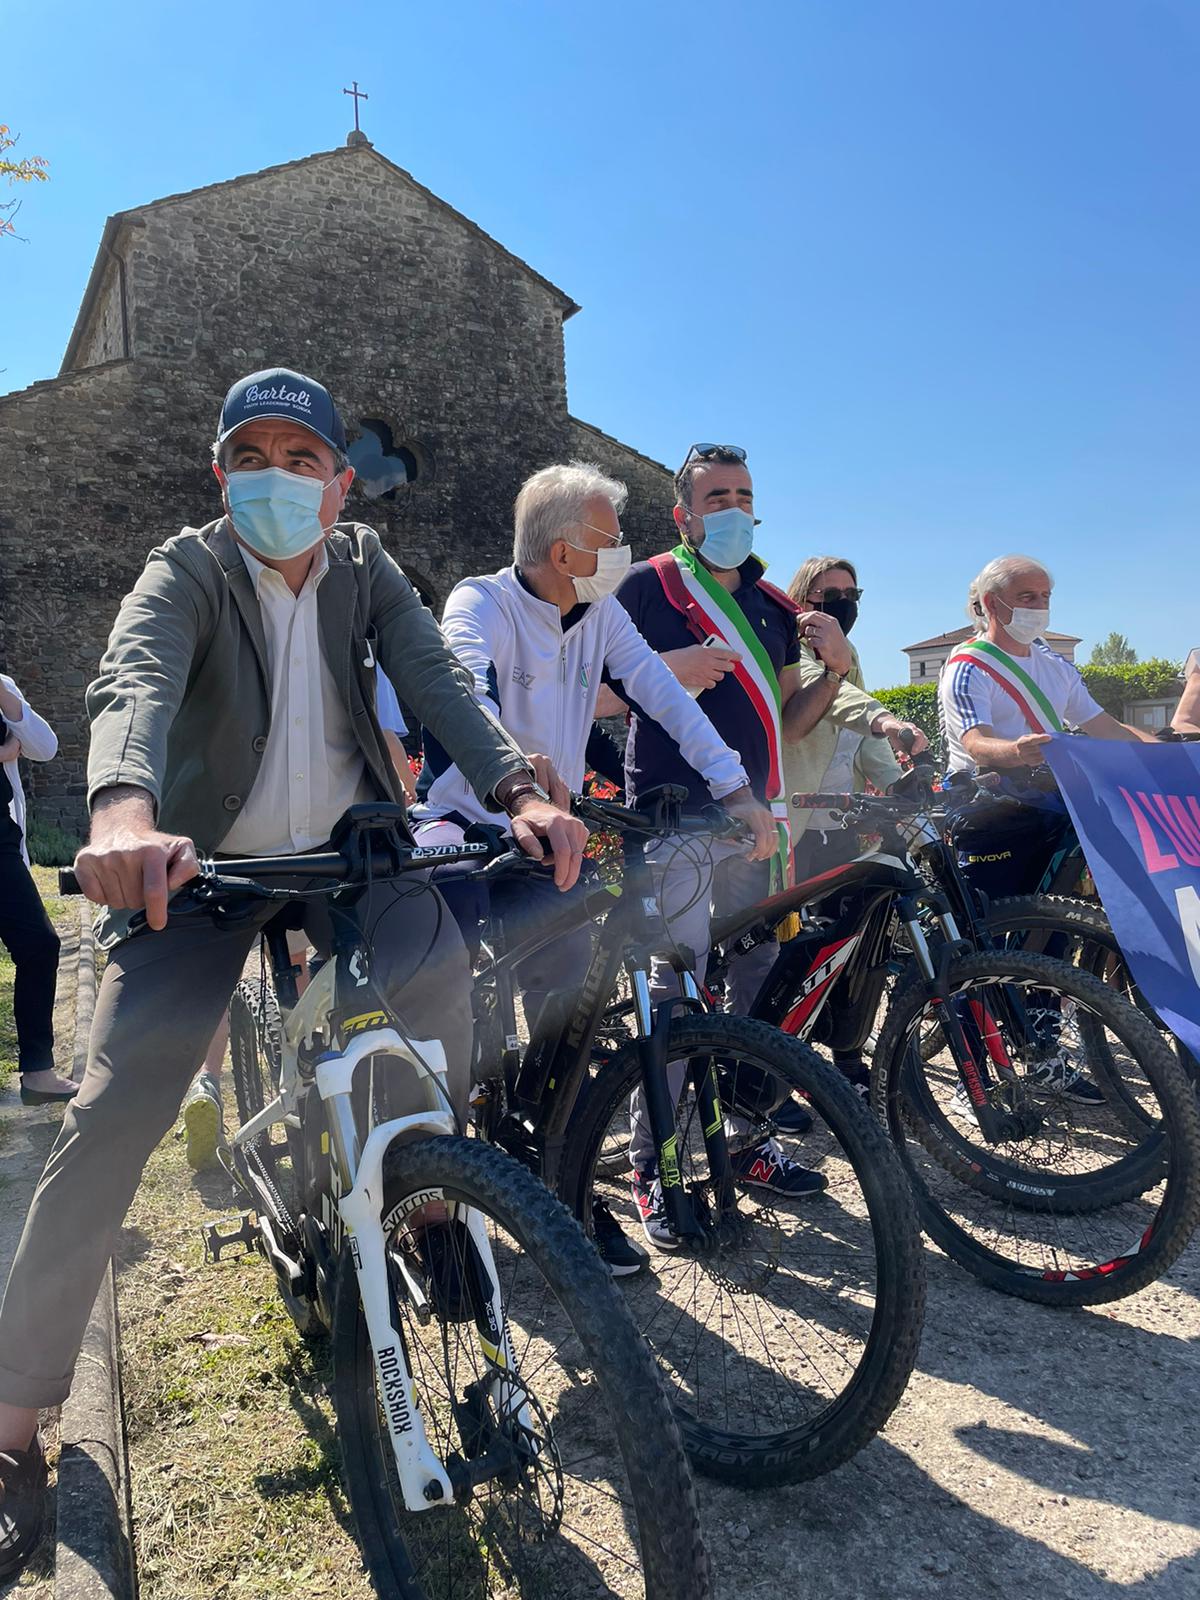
(935, 263)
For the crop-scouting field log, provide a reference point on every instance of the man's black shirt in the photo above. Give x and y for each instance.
(651, 755)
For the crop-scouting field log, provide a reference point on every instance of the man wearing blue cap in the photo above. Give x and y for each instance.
(234, 712)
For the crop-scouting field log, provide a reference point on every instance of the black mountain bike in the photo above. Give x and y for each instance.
(787, 1329)
(502, 1426)
(975, 1051)
(1062, 916)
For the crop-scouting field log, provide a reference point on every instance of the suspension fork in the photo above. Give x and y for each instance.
(653, 1022)
(936, 974)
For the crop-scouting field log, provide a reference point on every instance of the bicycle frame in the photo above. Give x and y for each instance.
(853, 947)
(545, 1088)
(343, 1002)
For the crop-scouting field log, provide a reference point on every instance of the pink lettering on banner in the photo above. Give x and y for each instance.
(1182, 830)
(1156, 860)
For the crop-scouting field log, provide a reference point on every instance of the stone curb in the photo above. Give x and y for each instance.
(93, 1558)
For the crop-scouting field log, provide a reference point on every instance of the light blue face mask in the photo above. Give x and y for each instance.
(728, 537)
(277, 513)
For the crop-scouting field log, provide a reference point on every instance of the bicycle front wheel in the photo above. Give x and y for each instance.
(1074, 1203)
(789, 1340)
(579, 1482)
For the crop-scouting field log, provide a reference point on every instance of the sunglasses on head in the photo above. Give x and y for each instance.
(701, 452)
(822, 595)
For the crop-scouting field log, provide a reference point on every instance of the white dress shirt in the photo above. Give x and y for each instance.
(39, 742)
(312, 768)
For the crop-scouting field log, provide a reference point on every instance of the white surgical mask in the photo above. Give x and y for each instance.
(1026, 624)
(612, 564)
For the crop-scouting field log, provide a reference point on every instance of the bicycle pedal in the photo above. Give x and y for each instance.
(246, 1234)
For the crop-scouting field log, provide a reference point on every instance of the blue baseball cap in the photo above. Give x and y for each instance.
(284, 394)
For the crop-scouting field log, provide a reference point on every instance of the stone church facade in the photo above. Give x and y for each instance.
(443, 351)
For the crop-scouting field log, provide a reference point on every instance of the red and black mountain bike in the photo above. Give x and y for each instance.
(1051, 1139)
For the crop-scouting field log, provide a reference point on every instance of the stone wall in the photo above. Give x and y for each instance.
(339, 266)
(647, 515)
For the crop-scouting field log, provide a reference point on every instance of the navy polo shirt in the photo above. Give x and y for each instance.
(651, 755)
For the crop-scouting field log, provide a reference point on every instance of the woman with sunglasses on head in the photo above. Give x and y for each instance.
(852, 745)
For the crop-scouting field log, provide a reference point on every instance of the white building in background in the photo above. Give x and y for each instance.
(927, 658)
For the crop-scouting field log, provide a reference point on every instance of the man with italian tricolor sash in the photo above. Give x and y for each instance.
(734, 639)
(1003, 694)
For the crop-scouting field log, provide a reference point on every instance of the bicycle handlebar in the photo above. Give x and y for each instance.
(248, 875)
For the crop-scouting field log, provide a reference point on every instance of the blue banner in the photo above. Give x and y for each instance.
(1136, 808)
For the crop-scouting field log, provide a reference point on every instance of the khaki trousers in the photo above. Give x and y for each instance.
(158, 1007)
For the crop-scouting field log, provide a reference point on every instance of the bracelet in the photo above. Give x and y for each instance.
(519, 790)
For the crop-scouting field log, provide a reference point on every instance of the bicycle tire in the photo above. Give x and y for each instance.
(1168, 1160)
(256, 1054)
(1085, 924)
(855, 1415)
(663, 1501)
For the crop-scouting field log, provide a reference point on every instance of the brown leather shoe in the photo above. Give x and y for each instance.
(22, 1504)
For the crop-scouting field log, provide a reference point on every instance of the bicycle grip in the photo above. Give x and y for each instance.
(68, 883)
(825, 802)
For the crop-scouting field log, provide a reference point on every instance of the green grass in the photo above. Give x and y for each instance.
(233, 1456)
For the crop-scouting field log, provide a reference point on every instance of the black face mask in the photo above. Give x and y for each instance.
(843, 612)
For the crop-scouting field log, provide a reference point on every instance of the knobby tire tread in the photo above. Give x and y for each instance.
(831, 1438)
(1181, 1211)
(675, 1564)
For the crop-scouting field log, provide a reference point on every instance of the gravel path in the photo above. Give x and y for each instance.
(1035, 1453)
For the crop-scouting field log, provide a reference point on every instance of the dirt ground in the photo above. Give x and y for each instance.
(26, 1135)
(1036, 1452)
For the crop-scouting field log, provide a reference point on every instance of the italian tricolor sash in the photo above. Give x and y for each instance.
(708, 608)
(1029, 700)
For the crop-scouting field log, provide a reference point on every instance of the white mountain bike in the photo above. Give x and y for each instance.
(503, 1429)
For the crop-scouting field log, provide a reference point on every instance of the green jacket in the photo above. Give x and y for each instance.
(182, 704)
(806, 762)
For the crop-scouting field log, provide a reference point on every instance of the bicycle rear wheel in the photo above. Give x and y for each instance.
(1071, 1206)
(1079, 932)
(596, 1489)
(789, 1342)
(255, 1050)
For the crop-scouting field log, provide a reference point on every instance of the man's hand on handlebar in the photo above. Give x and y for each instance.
(742, 805)
(534, 820)
(905, 738)
(128, 863)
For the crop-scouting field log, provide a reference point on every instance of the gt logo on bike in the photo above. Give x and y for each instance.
(395, 1396)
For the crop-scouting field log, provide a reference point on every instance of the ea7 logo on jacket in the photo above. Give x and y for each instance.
(523, 679)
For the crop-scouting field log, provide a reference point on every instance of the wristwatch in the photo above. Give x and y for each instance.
(838, 677)
(519, 789)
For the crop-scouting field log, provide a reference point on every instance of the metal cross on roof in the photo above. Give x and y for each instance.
(356, 94)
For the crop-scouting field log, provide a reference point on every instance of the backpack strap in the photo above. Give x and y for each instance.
(676, 593)
(779, 597)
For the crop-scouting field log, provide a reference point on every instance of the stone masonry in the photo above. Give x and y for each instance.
(340, 265)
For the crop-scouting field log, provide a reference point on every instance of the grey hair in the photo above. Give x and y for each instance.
(340, 459)
(552, 501)
(994, 577)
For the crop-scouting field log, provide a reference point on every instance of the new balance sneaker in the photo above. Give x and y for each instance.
(22, 1504)
(203, 1121)
(617, 1253)
(791, 1119)
(648, 1198)
(764, 1166)
(1057, 1076)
